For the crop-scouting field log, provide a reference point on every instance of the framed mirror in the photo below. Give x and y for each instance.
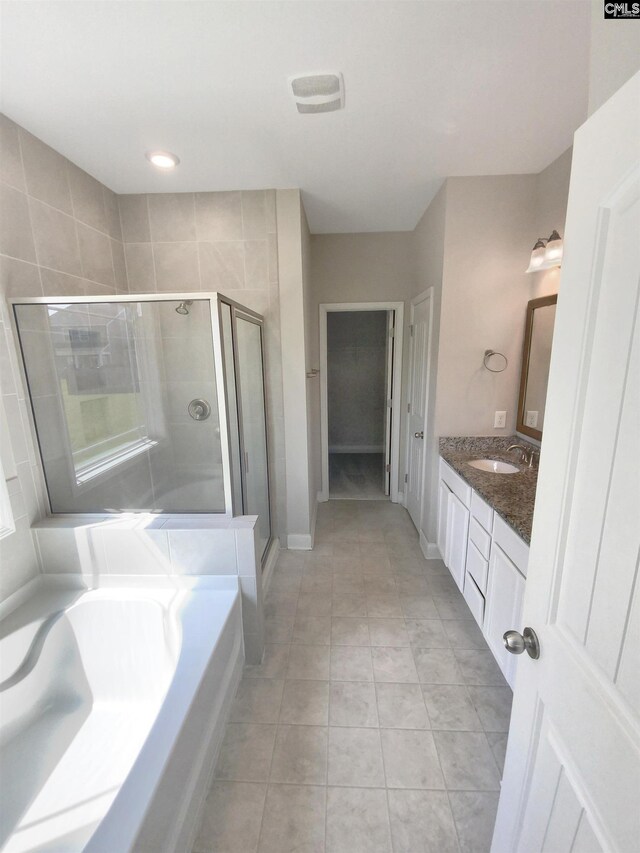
(536, 356)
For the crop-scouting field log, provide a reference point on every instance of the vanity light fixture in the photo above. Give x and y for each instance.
(546, 254)
(164, 160)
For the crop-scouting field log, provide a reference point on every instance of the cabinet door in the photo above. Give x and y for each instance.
(443, 504)
(503, 609)
(457, 532)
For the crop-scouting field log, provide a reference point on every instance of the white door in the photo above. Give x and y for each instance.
(389, 392)
(572, 775)
(417, 404)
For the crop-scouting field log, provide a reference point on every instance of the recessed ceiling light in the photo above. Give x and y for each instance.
(162, 159)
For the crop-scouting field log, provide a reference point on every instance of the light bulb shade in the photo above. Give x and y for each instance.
(537, 257)
(553, 251)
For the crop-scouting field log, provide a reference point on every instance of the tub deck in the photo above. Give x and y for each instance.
(96, 688)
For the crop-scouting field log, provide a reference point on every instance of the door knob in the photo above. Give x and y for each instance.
(516, 643)
(419, 434)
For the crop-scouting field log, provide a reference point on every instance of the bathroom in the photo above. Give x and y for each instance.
(263, 667)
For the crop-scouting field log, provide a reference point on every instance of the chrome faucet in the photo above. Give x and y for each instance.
(527, 455)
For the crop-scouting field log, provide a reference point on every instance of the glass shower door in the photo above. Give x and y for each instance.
(253, 431)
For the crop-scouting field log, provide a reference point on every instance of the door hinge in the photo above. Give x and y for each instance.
(390, 403)
(387, 468)
(392, 332)
(411, 330)
(409, 408)
(406, 478)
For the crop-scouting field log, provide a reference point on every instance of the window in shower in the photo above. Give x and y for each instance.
(117, 391)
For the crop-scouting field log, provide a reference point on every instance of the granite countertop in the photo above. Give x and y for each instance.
(512, 496)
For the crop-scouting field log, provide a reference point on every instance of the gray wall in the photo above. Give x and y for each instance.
(356, 371)
(372, 267)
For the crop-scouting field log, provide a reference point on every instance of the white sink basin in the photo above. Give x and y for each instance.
(494, 465)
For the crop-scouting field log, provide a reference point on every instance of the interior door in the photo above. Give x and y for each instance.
(572, 773)
(417, 405)
(391, 315)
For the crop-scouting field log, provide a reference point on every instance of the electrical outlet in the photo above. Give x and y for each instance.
(532, 419)
(500, 420)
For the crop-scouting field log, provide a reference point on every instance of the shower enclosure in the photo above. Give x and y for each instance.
(148, 403)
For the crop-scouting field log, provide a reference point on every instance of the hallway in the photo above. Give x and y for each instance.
(356, 476)
(378, 719)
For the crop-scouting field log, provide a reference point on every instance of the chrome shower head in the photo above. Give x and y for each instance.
(183, 307)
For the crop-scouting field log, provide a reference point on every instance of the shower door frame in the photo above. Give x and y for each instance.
(214, 298)
(244, 313)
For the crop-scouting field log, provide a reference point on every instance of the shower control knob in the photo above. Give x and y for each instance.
(418, 434)
(199, 410)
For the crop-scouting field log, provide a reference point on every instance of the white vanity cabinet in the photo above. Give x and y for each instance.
(487, 560)
(453, 522)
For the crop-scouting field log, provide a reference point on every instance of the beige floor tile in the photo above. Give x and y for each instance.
(314, 604)
(437, 666)
(493, 705)
(357, 821)
(309, 662)
(305, 702)
(300, 755)
(355, 757)
(401, 706)
(257, 701)
(474, 813)
(422, 821)
(450, 707)
(352, 704)
(351, 663)
(452, 607)
(231, 818)
(464, 634)
(427, 633)
(246, 751)
(410, 759)
(349, 631)
(393, 664)
(388, 632)
(498, 744)
(312, 630)
(294, 820)
(349, 604)
(418, 607)
(467, 761)
(384, 605)
(274, 663)
(479, 667)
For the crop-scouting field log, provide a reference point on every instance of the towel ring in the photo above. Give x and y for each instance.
(487, 354)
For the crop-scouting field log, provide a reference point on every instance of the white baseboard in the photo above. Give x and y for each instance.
(429, 549)
(299, 542)
(356, 448)
(269, 565)
(314, 518)
(400, 499)
(322, 497)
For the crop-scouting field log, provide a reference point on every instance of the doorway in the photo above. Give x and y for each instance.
(360, 366)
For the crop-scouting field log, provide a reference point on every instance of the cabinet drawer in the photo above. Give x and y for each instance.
(455, 482)
(482, 512)
(474, 599)
(477, 567)
(513, 546)
(480, 538)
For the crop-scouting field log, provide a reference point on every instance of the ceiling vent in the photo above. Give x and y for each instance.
(318, 93)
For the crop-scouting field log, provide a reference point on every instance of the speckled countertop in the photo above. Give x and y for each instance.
(512, 496)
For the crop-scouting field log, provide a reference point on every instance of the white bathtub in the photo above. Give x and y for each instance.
(112, 705)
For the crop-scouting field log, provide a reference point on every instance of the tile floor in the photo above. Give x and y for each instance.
(377, 721)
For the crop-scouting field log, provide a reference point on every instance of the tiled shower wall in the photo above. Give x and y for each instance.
(64, 233)
(59, 235)
(223, 241)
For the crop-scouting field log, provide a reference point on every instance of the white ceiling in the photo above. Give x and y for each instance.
(432, 89)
